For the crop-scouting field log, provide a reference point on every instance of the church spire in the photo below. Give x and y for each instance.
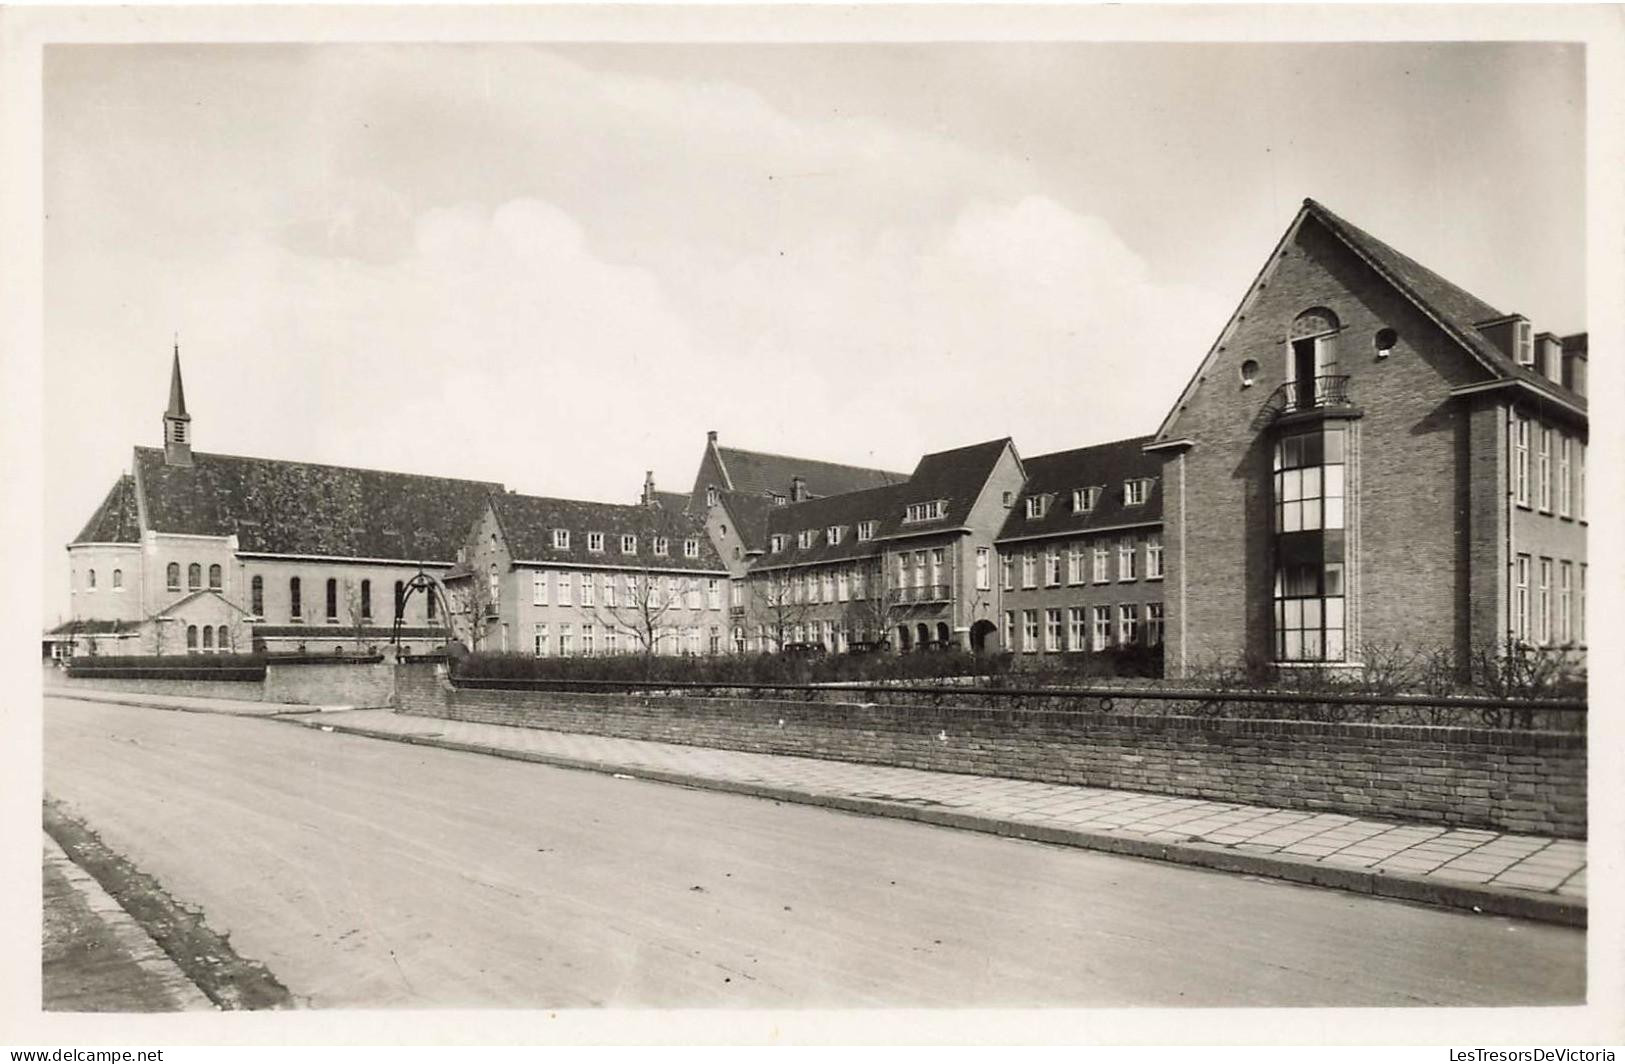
(177, 422)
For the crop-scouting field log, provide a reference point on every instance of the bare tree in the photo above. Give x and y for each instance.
(878, 611)
(474, 605)
(359, 613)
(779, 599)
(641, 609)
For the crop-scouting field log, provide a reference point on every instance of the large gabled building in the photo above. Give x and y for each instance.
(199, 552)
(1370, 458)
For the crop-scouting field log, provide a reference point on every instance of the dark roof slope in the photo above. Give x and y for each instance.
(750, 513)
(1105, 466)
(955, 476)
(277, 507)
(1459, 309)
(116, 520)
(846, 511)
(528, 522)
(672, 500)
(759, 473)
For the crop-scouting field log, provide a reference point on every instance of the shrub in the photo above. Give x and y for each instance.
(201, 662)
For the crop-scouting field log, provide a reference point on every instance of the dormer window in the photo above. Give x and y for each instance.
(629, 544)
(834, 533)
(561, 539)
(934, 510)
(662, 545)
(1136, 491)
(1525, 340)
(595, 542)
(691, 548)
(776, 543)
(778, 500)
(806, 538)
(1037, 506)
(866, 531)
(1084, 500)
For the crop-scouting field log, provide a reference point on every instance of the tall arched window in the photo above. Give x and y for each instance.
(296, 605)
(214, 578)
(256, 596)
(366, 600)
(194, 576)
(208, 638)
(118, 579)
(191, 639)
(90, 580)
(430, 605)
(332, 599)
(400, 600)
(172, 576)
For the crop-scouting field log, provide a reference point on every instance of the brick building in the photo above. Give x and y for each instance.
(1371, 457)
(194, 552)
(1080, 554)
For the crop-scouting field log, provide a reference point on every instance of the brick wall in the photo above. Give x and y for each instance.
(1517, 781)
(339, 684)
(238, 690)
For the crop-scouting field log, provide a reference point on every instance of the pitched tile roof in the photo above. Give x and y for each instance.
(1105, 466)
(277, 507)
(846, 511)
(102, 627)
(956, 477)
(116, 520)
(759, 473)
(528, 522)
(1458, 309)
(750, 514)
(676, 501)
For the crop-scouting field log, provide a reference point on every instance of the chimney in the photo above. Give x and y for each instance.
(1575, 362)
(711, 437)
(649, 487)
(798, 488)
(1549, 357)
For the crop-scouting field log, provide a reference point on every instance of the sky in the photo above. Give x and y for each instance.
(557, 266)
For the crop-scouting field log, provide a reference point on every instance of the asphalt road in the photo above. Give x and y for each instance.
(367, 873)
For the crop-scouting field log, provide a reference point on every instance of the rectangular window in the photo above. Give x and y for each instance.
(1029, 631)
(1136, 491)
(1128, 624)
(540, 640)
(691, 638)
(561, 539)
(588, 640)
(1565, 476)
(566, 589)
(1153, 556)
(595, 542)
(1543, 604)
(1580, 609)
(805, 538)
(589, 589)
(1309, 471)
(1520, 600)
(1543, 471)
(1037, 505)
(1052, 567)
(984, 578)
(714, 643)
(919, 568)
(691, 548)
(567, 640)
(858, 580)
(662, 546)
(673, 591)
(1076, 629)
(538, 587)
(1580, 481)
(934, 510)
(366, 600)
(1007, 572)
(1520, 461)
(1103, 555)
(332, 600)
(1074, 563)
(612, 640)
(812, 587)
(1153, 624)
(629, 544)
(866, 530)
(1029, 570)
(1309, 624)
(1084, 499)
(1100, 628)
(1052, 630)
(1010, 630)
(1565, 604)
(609, 591)
(1127, 559)
(775, 543)
(833, 534)
(713, 593)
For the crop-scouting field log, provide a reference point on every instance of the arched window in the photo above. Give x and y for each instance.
(194, 576)
(222, 639)
(256, 596)
(90, 580)
(332, 599)
(400, 600)
(214, 578)
(191, 639)
(118, 579)
(208, 638)
(1312, 360)
(296, 606)
(172, 577)
(430, 605)
(366, 600)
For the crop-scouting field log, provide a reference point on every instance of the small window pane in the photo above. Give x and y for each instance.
(1311, 514)
(1293, 645)
(1311, 644)
(1294, 613)
(1292, 517)
(1334, 513)
(1334, 447)
(1311, 613)
(1311, 482)
(1334, 613)
(1334, 580)
(1334, 481)
(1334, 646)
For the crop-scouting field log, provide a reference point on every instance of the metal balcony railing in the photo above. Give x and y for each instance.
(1310, 393)
(914, 595)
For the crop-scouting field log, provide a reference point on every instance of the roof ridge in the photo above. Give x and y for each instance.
(820, 461)
(326, 465)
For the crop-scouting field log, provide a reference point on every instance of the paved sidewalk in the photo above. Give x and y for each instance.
(226, 706)
(1518, 875)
